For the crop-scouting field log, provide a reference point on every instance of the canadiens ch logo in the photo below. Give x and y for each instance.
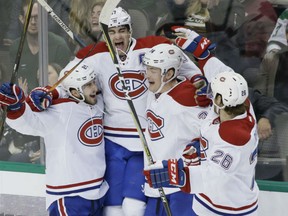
(134, 81)
(155, 123)
(91, 132)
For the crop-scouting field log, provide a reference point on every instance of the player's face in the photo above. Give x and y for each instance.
(120, 37)
(153, 75)
(33, 23)
(95, 18)
(89, 91)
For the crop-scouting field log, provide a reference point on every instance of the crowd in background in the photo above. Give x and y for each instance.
(242, 30)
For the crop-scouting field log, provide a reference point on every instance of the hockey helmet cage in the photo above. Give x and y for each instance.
(231, 86)
(165, 57)
(119, 17)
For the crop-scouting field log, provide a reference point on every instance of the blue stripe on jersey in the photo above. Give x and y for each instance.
(121, 135)
(221, 213)
(73, 191)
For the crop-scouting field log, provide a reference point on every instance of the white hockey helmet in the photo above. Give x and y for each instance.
(164, 56)
(119, 17)
(231, 86)
(80, 76)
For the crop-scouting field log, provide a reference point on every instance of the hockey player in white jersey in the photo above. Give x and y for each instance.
(174, 120)
(124, 151)
(72, 129)
(224, 183)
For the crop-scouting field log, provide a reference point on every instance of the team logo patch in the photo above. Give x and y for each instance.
(134, 81)
(155, 124)
(91, 132)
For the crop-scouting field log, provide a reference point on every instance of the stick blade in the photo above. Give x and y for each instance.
(107, 10)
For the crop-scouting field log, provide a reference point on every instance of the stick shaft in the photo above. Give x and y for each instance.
(104, 20)
(17, 61)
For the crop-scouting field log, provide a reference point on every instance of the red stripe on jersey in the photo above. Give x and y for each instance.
(184, 93)
(75, 185)
(62, 207)
(63, 100)
(122, 129)
(227, 207)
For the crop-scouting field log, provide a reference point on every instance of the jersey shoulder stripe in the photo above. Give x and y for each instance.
(184, 94)
(150, 41)
(99, 48)
(237, 132)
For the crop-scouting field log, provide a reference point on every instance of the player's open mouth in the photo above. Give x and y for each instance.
(119, 45)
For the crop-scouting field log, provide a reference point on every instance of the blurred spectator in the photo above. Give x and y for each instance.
(58, 50)
(154, 12)
(266, 109)
(259, 23)
(53, 73)
(218, 20)
(177, 9)
(16, 147)
(275, 61)
(60, 7)
(252, 41)
(85, 27)
(5, 10)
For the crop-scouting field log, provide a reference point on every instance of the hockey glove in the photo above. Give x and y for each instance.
(194, 43)
(39, 99)
(11, 96)
(201, 84)
(191, 154)
(166, 174)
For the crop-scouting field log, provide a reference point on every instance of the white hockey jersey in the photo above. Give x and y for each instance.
(224, 182)
(73, 134)
(174, 120)
(118, 123)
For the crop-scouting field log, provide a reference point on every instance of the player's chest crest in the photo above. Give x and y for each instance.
(91, 132)
(155, 124)
(134, 82)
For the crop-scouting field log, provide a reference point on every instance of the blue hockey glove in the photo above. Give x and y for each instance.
(39, 99)
(166, 174)
(201, 84)
(11, 96)
(194, 43)
(191, 154)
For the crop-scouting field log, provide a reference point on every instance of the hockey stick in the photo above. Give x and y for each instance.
(50, 11)
(104, 21)
(17, 61)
